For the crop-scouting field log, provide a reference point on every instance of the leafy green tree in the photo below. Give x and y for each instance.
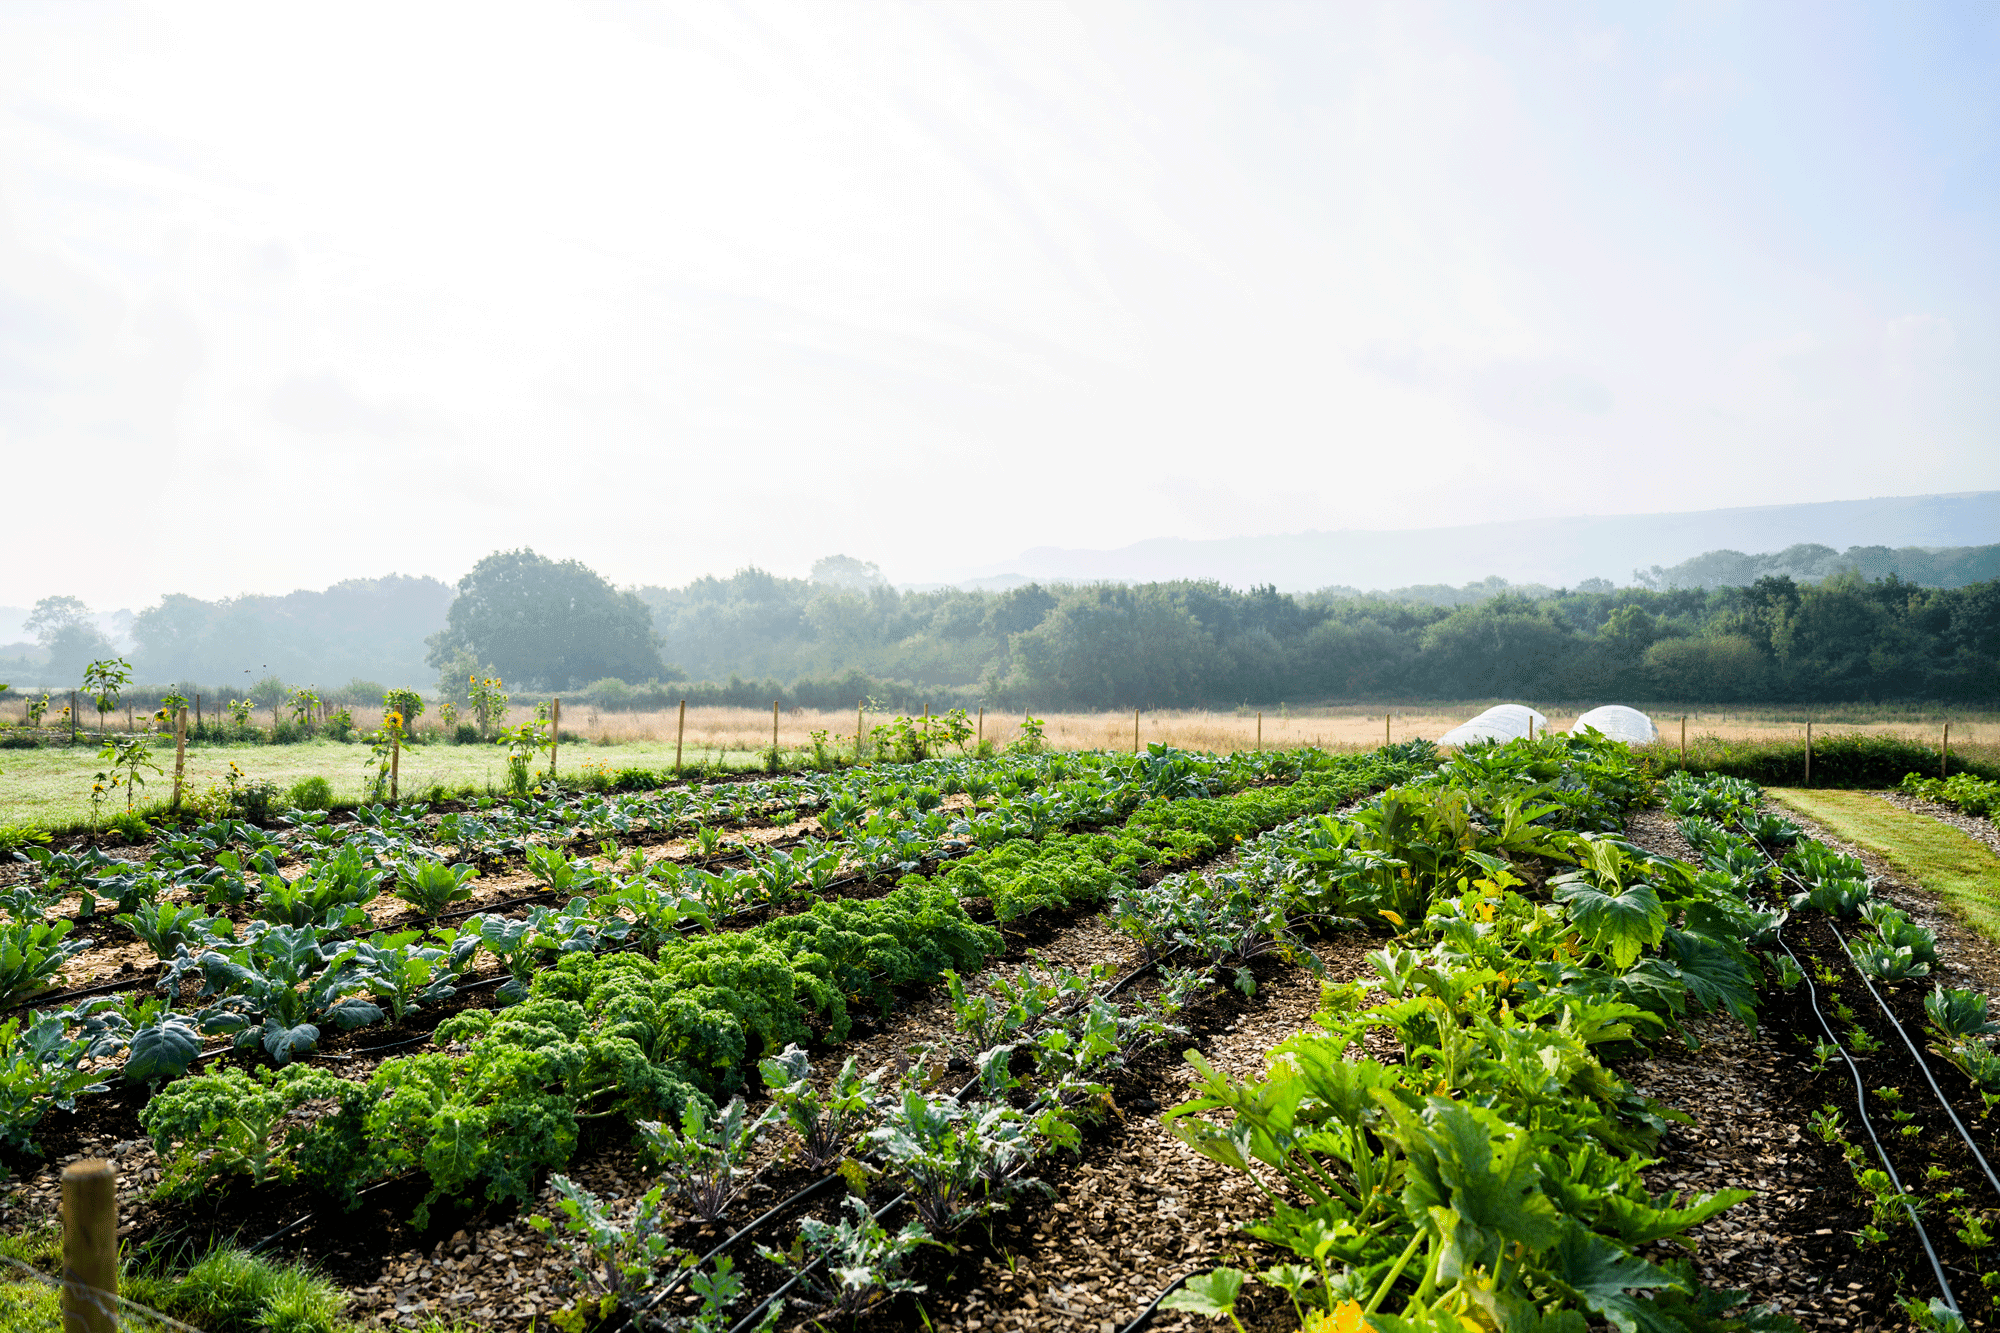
(53, 615)
(552, 623)
(1503, 647)
(1728, 668)
(1112, 647)
(63, 625)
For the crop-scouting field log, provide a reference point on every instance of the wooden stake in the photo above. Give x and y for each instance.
(72, 717)
(680, 733)
(90, 1246)
(774, 733)
(1385, 729)
(1944, 752)
(1260, 733)
(555, 733)
(197, 712)
(1684, 740)
(180, 751)
(128, 719)
(1808, 752)
(859, 704)
(1135, 731)
(395, 760)
(982, 726)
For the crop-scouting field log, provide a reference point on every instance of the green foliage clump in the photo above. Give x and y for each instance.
(311, 793)
(1972, 795)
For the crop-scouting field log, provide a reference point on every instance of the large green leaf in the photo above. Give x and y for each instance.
(1637, 1223)
(1212, 1294)
(1618, 924)
(1602, 1276)
(162, 1050)
(1715, 979)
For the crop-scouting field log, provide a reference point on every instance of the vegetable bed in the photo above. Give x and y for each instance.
(404, 1074)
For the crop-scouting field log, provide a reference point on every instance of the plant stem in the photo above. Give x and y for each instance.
(1381, 1292)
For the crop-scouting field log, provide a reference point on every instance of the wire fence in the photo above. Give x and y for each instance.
(88, 1310)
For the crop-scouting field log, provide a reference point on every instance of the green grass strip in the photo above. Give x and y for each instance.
(1962, 871)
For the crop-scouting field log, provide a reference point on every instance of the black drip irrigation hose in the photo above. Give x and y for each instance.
(1861, 1092)
(1902, 1032)
(1146, 1314)
(1943, 1101)
(1861, 1105)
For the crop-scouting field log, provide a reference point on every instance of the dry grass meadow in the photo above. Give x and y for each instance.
(51, 786)
(740, 731)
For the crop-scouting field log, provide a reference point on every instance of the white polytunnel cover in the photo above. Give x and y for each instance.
(1620, 724)
(1502, 722)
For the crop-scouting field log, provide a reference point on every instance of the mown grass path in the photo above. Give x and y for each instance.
(1961, 871)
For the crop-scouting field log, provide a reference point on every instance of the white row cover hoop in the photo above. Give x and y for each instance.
(1619, 723)
(1502, 722)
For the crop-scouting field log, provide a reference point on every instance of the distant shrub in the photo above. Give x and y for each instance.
(637, 779)
(19, 740)
(291, 733)
(313, 793)
(610, 692)
(465, 733)
(358, 693)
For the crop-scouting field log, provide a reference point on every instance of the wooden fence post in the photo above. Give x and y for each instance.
(1260, 732)
(180, 751)
(1135, 731)
(555, 732)
(90, 1246)
(982, 727)
(1684, 740)
(128, 719)
(859, 704)
(395, 759)
(1808, 781)
(774, 735)
(197, 712)
(1385, 729)
(72, 717)
(1944, 752)
(680, 734)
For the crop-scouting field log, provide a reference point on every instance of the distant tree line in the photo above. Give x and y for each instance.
(845, 633)
(1191, 643)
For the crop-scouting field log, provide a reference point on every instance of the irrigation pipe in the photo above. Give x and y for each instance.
(1943, 1101)
(1861, 1103)
(1896, 1023)
(1140, 1321)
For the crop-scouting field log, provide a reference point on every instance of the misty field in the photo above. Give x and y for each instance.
(50, 787)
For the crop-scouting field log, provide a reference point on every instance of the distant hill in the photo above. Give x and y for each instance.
(1561, 552)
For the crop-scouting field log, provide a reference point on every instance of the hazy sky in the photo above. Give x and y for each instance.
(294, 293)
